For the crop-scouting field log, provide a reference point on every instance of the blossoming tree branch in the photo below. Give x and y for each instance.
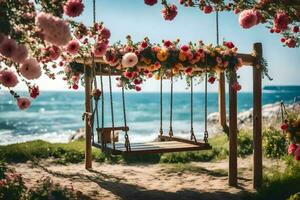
(280, 16)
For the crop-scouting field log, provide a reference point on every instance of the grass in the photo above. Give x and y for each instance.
(280, 185)
(74, 152)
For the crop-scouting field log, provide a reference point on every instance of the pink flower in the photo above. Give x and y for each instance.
(150, 2)
(249, 18)
(105, 33)
(291, 43)
(284, 126)
(8, 78)
(297, 153)
(55, 30)
(207, 9)
(167, 43)
(73, 47)
(229, 45)
(73, 8)
(129, 60)
(169, 13)
(54, 52)
(30, 69)
(23, 103)
(99, 49)
(292, 148)
(21, 54)
(281, 21)
(8, 48)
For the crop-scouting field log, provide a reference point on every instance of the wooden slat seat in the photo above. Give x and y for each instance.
(156, 147)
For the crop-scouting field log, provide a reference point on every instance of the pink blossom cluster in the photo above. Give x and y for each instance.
(73, 8)
(249, 18)
(10, 49)
(55, 30)
(294, 150)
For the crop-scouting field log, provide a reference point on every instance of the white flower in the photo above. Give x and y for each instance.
(129, 60)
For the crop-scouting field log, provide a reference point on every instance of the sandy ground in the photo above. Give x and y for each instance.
(146, 181)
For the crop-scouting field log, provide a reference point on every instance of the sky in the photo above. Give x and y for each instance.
(133, 17)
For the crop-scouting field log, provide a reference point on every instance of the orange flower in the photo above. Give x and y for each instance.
(182, 56)
(162, 55)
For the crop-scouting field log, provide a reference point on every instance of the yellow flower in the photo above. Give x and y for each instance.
(146, 61)
(182, 57)
(162, 55)
(218, 50)
(157, 77)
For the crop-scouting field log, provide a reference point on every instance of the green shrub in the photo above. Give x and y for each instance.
(46, 189)
(3, 169)
(295, 196)
(12, 186)
(245, 144)
(72, 156)
(274, 143)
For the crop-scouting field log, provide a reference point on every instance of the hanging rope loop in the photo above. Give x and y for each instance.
(127, 141)
(161, 132)
(205, 107)
(193, 137)
(171, 107)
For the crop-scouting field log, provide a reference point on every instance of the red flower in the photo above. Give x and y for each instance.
(236, 86)
(144, 44)
(128, 75)
(137, 81)
(296, 29)
(75, 86)
(292, 148)
(297, 154)
(138, 88)
(185, 48)
(35, 91)
(167, 43)
(207, 9)
(230, 45)
(284, 126)
(282, 39)
(169, 13)
(150, 2)
(212, 79)
(291, 43)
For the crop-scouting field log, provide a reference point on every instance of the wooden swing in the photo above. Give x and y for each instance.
(107, 138)
(251, 59)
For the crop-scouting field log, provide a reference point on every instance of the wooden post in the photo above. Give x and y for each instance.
(257, 118)
(232, 175)
(88, 109)
(222, 100)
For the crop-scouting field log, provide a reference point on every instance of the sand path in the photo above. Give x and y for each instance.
(145, 181)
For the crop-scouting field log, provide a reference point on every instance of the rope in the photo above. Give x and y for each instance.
(217, 26)
(112, 109)
(102, 107)
(171, 106)
(193, 137)
(127, 142)
(205, 105)
(161, 105)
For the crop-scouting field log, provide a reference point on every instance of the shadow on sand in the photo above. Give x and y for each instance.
(123, 190)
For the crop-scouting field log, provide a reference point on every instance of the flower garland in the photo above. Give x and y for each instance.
(37, 38)
(280, 16)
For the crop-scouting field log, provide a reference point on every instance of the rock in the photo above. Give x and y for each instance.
(78, 135)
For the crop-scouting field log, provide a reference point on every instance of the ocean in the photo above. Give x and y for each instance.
(54, 116)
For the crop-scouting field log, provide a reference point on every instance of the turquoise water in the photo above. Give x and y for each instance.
(55, 115)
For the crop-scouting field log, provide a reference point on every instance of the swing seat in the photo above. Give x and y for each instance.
(107, 133)
(165, 145)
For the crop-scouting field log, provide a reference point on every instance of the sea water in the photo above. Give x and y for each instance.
(54, 116)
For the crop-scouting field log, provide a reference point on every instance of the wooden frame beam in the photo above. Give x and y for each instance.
(232, 174)
(257, 118)
(88, 109)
